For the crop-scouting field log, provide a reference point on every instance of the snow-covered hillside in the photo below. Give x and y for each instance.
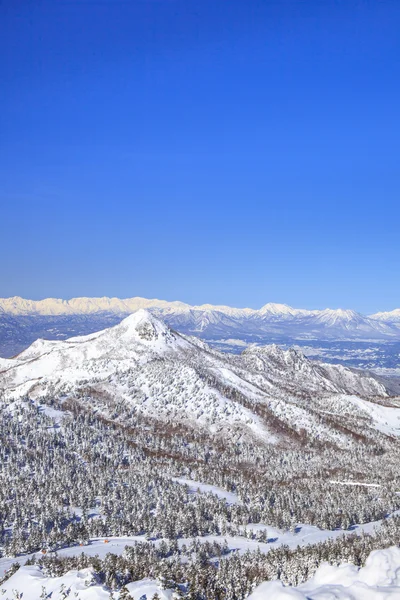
(137, 460)
(81, 585)
(179, 378)
(392, 317)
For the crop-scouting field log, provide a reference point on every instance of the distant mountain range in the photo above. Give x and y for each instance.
(56, 307)
(22, 321)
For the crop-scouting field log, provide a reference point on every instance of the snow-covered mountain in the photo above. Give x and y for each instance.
(205, 320)
(56, 306)
(392, 317)
(264, 393)
(349, 323)
(140, 436)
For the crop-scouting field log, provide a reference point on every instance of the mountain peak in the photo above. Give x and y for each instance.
(140, 316)
(392, 316)
(273, 308)
(144, 325)
(340, 313)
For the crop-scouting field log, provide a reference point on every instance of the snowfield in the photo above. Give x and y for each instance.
(379, 579)
(203, 488)
(30, 582)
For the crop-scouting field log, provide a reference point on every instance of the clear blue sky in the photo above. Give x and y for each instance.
(223, 151)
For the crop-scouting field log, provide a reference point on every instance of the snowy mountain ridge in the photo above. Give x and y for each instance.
(180, 379)
(86, 305)
(22, 321)
(389, 317)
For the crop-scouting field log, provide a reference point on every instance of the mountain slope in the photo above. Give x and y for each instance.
(139, 433)
(308, 377)
(266, 393)
(391, 318)
(141, 360)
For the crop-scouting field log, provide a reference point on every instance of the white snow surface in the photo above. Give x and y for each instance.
(146, 588)
(30, 580)
(385, 418)
(379, 579)
(204, 488)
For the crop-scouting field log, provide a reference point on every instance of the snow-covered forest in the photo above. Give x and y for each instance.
(207, 512)
(71, 475)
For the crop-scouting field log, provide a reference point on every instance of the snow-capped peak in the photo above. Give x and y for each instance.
(211, 321)
(339, 314)
(392, 316)
(273, 308)
(142, 324)
(139, 328)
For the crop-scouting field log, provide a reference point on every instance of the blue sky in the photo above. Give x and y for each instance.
(235, 152)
